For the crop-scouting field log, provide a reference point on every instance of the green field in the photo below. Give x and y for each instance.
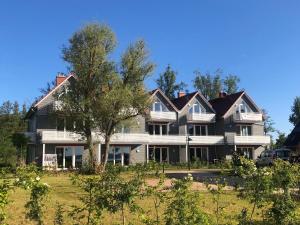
(65, 193)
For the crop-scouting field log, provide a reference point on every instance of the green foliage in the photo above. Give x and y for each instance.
(282, 210)
(280, 140)
(268, 123)
(11, 122)
(4, 189)
(216, 193)
(183, 207)
(295, 115)
(210, 85)
(167, 83)
(59, 215)
(105, 93)
(158, 196)
(29, 178)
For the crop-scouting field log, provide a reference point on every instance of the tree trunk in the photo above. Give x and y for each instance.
(90, 146)
(105, 155)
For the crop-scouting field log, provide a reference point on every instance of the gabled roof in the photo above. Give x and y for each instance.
(183, 101)
(223, 104)
(158, 90)
(53, 90)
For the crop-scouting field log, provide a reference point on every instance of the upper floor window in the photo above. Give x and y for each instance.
(244, 130)
(197, 130)
(158, 129)
(243, 108)
(158, 106)
(196, 108)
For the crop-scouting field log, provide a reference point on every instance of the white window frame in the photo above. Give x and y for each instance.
(241, 130)
(160, 153)
(161, 106)
(160, 128)
(192, 108)
(73, 155)
(194, 130)
(202, 149)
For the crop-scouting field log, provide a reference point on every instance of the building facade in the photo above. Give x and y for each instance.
(174, 131)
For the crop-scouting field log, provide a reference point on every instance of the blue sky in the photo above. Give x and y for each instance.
(257, 40)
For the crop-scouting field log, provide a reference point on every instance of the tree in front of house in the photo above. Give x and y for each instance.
(167, 83)
(295, 115)
(106, 93)
(210, 85)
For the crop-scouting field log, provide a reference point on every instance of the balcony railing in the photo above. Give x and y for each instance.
(144, 138)
(248, 117)
(163, 116)
(248, 140)
(202, 117)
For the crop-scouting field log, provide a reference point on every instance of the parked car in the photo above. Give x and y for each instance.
(268, 157)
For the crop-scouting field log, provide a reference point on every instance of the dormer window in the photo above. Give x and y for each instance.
(196, 108)
(243, 108)
(158, 106)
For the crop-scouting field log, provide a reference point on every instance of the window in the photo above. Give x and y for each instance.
(243, 108)
(244, 130)
(119, 155)
(158, 129)
(60, 124)
(197, 130)
(158, 106)
(199, 154)
(245, 151)
(159, 154)
(196, 108)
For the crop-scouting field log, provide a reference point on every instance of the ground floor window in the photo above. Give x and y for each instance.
(119, 155)
(69, 156)
(245, 151)
(159, 154)
(199, 154)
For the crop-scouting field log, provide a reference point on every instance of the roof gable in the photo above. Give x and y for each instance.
(157, 92)
(183, 101)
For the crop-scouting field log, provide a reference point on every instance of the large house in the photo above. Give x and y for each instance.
(189, 126)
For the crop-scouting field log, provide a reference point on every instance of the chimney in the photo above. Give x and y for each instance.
(222, 94)
(60, 78)
(181, 94)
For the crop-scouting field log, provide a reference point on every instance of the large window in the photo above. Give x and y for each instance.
(199, 154)
(69, 156)
(119, 155)
(158, 129)
(197, 130)
(243, 108)
(159, 154)
(196, 108)
(158, 106)
(244, 130)
(245, 151)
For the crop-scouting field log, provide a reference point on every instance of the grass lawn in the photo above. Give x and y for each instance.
(64, 192)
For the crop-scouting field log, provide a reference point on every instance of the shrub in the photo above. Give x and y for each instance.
(183, 207)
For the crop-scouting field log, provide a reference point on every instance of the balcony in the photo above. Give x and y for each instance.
(181, 140)
(61, 137)
(248, 140)
(202, 117)
(53, 136)
(248, 117)
(162, 116)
